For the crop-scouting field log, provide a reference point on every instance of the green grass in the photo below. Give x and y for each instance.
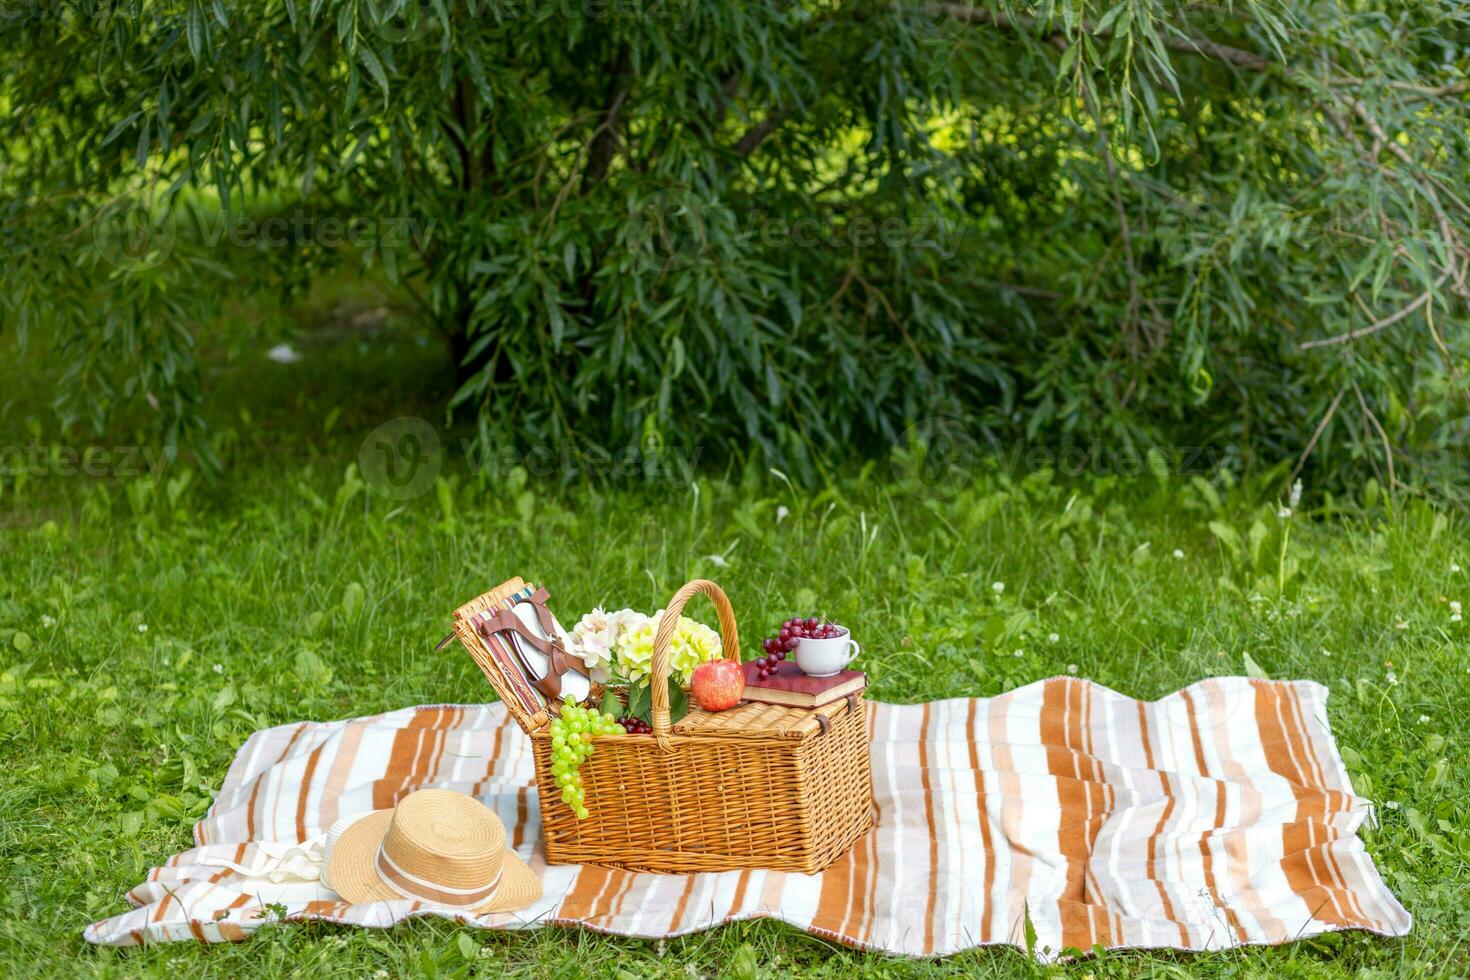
(113, 738)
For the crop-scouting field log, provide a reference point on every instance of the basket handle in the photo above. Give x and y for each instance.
(659, 680)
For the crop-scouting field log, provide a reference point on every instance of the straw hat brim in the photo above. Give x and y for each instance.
(353, 872)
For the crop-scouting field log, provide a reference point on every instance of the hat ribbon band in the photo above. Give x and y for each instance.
(406, 882)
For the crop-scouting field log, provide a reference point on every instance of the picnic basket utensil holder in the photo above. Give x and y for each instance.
(756, 786)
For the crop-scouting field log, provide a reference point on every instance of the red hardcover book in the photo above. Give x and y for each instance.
(789, 686)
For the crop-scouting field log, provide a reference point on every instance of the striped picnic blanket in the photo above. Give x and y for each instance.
(1216, 816)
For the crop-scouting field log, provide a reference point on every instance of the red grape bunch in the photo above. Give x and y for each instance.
(777, 647)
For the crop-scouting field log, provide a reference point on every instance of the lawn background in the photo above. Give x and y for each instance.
(149, 623)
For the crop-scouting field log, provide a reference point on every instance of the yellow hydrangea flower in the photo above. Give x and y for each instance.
(693, 644)
(635, 647)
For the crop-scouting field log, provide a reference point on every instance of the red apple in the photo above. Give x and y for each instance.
(718, 684)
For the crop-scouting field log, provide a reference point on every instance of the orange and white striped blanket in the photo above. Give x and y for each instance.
(1216, 816)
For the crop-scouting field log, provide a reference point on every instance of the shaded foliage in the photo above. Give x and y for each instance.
(797, 228)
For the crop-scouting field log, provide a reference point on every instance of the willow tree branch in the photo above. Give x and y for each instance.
(1105, 148)
(757, 134)
(1177, 41)
(1406, 310)
(1424, 91)
(1317, 434)
(1183, 41)
(605, 140)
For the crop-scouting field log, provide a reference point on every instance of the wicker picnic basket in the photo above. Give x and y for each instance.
(755, 786)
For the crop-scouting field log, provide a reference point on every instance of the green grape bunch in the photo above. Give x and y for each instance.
(571, 744)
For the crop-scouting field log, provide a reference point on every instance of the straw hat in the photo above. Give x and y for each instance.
(436, 846)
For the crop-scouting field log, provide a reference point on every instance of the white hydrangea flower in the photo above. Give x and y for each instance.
(595, 638)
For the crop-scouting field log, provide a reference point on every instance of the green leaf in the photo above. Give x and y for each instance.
(640, 703)
(468, 948)
(120, 127)
(352, 599)
(611, 703)
(1227, 536)
(311, 669)
(678, 702)
(1258, 534)
(347, 24)
(166, 805)
(194, 28)
(370, 61)
(21, 641)
(1253, 669)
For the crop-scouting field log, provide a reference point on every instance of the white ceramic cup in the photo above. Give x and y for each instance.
(825, 657)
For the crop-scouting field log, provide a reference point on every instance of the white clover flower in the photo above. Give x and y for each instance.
(219, 668)
(1454, 567)
(997, 587)
(1392, 678)
(782, 513)
(1390, 804)
(1423, 719)
(1296, 495)
(1053, 637)
(1401, 625)
(1455, 606)
(1284, 513)
(47, 621)
(142, 627)
(1072, 669)
(1178, 553)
